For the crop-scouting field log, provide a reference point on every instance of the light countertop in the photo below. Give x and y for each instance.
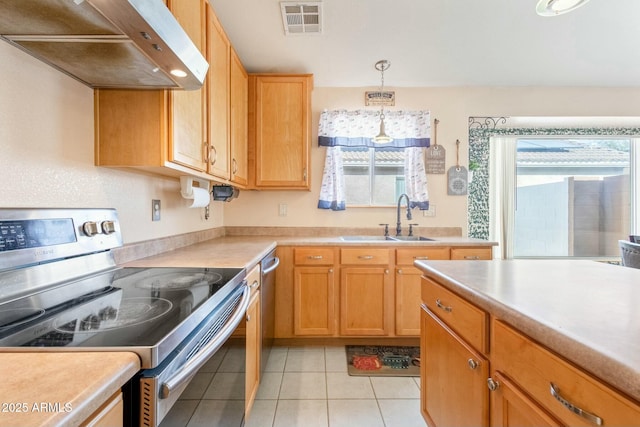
(246, 251)
(586, 311)
(59, 389)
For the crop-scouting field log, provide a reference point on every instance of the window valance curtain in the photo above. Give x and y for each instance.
(357, 128)
(410, 130)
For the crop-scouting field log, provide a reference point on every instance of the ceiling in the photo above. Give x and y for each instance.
(443, 42)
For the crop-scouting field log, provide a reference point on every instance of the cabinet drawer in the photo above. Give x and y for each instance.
(253, 279)
(464, 318)
(535, 369)
(313, 256)
(471, 253)
(364, 256)
(407, 256)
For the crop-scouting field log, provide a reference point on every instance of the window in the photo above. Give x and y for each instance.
(572, 196)
(373, 176)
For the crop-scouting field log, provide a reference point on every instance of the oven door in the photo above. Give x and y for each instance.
(159, 388)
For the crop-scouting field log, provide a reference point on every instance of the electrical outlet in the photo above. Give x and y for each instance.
(282, 209)
(155, 210)
(431, 211)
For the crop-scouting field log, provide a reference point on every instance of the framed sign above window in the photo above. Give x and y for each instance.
(380, 98)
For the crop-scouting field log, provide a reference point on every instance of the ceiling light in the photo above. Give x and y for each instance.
(557, 7)
(178, 73)
(382, 137)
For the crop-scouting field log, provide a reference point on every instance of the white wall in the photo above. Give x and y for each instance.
(46, 155)
(452, 106)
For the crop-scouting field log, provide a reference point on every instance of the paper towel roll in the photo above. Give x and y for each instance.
(200, 199)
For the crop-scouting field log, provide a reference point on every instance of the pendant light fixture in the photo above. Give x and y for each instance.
(382, 137)
(557, 7)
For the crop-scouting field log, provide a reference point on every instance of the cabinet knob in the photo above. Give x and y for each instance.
(399, 271)
(331, 270)
(472, 364)
(492, 384)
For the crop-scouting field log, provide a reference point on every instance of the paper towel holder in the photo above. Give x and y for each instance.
(186, 186)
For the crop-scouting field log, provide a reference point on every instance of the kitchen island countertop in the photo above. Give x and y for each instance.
(586, 311)
(60, 389)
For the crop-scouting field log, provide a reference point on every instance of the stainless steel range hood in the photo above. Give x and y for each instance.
(135, 44)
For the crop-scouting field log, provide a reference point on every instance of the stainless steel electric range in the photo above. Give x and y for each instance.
(60, 290)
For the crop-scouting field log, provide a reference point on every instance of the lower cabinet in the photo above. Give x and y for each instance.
(254, 341)
(511, 407)
(110, 414)
(314, 301)
(513, 382)
(453, 379)
(366, 301)
(407, 301)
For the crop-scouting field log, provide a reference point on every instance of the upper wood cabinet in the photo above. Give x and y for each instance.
(239, 121)
(219, 55)
(279, 130)
(201, 132)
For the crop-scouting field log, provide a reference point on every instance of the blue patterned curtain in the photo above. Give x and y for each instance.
(357, 128)
(410, 130)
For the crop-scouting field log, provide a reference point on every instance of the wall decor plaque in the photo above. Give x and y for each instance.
(378, 98)
(435, 159)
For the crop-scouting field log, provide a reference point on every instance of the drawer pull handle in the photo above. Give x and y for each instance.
(471, 257)
(472, 364)
(492, 384)
(573, 408)
(443, 307)
(365, 257)
(315, 257)
(421, 257)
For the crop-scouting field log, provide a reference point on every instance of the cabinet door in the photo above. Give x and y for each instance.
(314, 301)
(511, 407)
(453, 379)
(110, 414)
(366, 301)
(254, 340)
(218, 48)
(281, 129)
(188, 144)
(239, 121)
(408, 301)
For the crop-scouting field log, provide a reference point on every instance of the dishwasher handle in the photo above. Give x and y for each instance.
(276, 263)
(192, 366)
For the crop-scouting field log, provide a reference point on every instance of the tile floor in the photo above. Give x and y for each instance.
(306, 387)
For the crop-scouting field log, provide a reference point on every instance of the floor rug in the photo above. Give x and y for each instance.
(392, 361)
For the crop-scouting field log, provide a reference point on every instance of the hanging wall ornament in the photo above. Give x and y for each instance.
(457, 176)
(435, 155)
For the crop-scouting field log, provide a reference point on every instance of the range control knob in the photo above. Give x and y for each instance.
(90, 228)
(90, 323)
(108, 227)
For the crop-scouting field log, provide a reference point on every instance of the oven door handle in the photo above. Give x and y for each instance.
(190, 368)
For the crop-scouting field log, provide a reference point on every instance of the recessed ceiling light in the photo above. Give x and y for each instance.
(557, 7)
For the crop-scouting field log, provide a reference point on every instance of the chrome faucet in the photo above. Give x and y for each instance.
(398, 223)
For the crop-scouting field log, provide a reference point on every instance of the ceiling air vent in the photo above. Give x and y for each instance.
(302, 18)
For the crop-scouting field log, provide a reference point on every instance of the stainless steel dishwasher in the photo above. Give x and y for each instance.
(268, 267)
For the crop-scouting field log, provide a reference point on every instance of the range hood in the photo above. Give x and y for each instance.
(131, 44)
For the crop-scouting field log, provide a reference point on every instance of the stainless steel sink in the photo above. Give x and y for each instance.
(383, 238)
(363, 238)
(409, 238)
